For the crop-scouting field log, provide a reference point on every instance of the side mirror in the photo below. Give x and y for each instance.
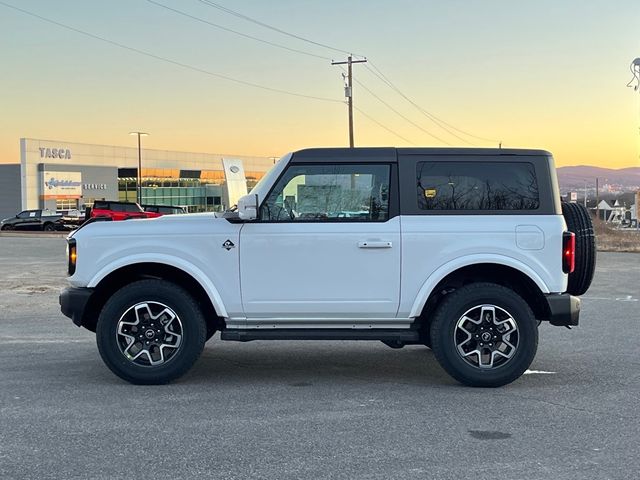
(248, 207)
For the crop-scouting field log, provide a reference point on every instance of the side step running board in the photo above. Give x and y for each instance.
(385, 335)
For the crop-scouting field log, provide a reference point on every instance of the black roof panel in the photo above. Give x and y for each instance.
(386, 154)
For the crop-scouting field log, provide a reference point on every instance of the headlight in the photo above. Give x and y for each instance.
(72, 253)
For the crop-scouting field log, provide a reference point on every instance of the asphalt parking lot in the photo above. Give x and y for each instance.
(316, 410)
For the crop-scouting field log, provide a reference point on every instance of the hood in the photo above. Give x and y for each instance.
(166, 225)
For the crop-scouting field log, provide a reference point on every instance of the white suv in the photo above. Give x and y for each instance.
(461, 250)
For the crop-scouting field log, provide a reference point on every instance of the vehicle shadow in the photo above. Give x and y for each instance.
(264, 364)
(303, 363)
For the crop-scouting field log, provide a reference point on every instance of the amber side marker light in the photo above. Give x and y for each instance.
(73, 256)
(568, 252)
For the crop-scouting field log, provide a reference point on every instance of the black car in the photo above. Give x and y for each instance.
(44, 220)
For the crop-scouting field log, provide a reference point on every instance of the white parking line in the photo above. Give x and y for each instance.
(32, 340)
(628, 298)
(540, 372)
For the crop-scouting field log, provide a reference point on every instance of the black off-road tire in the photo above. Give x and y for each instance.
(451, 310)
(194, 332)
(579, 222)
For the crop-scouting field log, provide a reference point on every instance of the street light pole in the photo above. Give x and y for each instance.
(139, 179)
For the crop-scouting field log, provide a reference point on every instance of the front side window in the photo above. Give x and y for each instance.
(477, 186)
(332, 193)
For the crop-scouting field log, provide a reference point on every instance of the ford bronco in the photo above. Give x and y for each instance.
(465, 251)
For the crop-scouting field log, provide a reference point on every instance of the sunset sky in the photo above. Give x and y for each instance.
(546, 74)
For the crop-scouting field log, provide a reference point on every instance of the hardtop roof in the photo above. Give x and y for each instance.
(384, 153)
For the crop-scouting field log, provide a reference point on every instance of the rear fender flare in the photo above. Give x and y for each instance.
(450, 267)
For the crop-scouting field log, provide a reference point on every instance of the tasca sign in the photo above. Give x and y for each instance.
(62, 184)
(64, 153)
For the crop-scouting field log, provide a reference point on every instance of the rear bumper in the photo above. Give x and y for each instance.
(564, 309)
(73, 303)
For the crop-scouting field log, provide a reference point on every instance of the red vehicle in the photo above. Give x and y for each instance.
(120, 210)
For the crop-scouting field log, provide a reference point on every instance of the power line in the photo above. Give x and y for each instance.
(351, 106)
(438, 121)
(397, 112)
(401, 115)
(168, 60)
(383, 126)
(236, 32)
(271, 27)
(349, 86)
(377, 72)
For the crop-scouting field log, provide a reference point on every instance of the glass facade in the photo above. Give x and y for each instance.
(195, 190)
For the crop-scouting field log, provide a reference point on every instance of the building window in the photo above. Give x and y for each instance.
(66, 204)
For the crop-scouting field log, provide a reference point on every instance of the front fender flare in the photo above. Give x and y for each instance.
(170, 260)
(461, 262)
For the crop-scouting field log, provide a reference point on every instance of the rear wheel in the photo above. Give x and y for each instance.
(484, 335)
(579, 222)
(150, 332)
(48, 227)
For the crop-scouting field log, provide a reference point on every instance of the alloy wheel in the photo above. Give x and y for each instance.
(486, 336)
(149, 333)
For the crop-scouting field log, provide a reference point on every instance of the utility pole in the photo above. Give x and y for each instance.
(139, 182)
(348, 91)
(597, 200)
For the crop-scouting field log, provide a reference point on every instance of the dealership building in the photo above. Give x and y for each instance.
(60, 175)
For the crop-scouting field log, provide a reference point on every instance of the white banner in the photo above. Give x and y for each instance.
(236, 181)
(61, 184)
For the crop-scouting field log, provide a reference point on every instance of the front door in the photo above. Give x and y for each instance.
(325, 250)
(29, 220)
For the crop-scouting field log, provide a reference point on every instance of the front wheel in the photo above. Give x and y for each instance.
(150, 332)
(484, 335)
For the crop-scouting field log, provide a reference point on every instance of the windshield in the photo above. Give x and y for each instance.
(263, 184)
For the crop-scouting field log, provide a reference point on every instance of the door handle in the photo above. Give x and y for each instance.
(374, 244)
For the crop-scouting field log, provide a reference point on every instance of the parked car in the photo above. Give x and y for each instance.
(44, 220)
(164, 209)
(120, 210)
(465, 251)
(72, 218)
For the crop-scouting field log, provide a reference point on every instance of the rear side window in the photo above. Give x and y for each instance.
(477, 186)
(129, 207)
(101, 205)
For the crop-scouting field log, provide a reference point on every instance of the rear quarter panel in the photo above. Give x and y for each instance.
(435, 245)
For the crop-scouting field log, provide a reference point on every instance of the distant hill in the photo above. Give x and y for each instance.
(575, 176)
